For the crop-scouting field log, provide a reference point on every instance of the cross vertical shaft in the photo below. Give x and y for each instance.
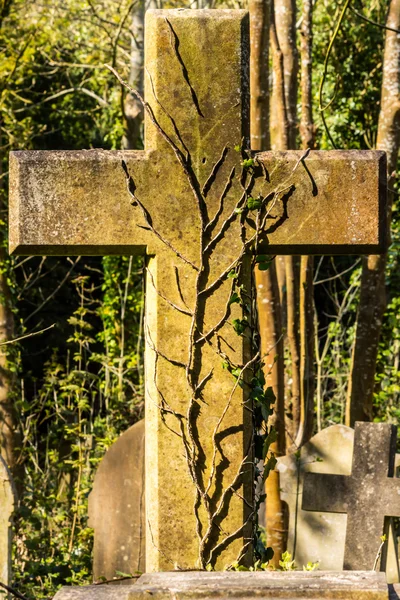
(186, 67)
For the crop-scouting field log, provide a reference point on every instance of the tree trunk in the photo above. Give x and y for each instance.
(279, 123)
(281, 274)
(306, 307)
(307, 129)
(283, 135)
(285, 67)
(272, 349)
(8, 433)
(359, 406)
(268, 302)
(307, 373)
(133, 110)
(259, 73)
(9, 437)
(269, 318)
(293, 341)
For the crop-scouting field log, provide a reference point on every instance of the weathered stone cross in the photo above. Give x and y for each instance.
(191, 193)
(368, 495)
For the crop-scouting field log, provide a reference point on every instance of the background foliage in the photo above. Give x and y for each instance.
(80, 384)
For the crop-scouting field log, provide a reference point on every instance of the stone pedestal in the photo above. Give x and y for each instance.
(185, 585)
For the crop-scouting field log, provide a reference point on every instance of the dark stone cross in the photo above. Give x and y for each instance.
(367, 496)
(193, 223)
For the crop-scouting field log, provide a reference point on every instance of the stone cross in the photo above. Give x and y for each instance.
(321, 536)
(187, 202)
(367, 496)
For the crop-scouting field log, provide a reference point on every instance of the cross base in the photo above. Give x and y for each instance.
(185, 585)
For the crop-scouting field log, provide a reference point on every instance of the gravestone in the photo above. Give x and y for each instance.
(116, 507)
(185, 202)
(319, 537)
(368, 495)
(8, 500)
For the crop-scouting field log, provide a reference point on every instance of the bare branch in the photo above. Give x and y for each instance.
(28, 335)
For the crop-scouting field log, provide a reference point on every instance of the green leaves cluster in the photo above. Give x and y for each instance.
(88, 394)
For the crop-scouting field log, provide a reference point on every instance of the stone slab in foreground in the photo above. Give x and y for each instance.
(185, 585)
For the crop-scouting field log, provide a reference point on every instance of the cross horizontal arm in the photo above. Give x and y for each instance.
(334, 202)
(77, 202)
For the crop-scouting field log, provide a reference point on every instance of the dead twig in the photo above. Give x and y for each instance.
(28, 335)
(13, 591)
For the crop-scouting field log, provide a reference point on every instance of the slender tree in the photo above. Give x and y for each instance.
(283, 137)
(8, 422)
(307, 128)
(285, 67)
(259, 73)
(272, 283)
(268, 302)
(372, 304)
(306, 288)
(8, 429)
(133, 110)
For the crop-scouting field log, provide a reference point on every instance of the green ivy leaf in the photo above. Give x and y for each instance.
(266, 412)
(254, 203)
(247, 163)
(122, 574)
(234, 299)
(236, 372)
(239, 325)
(264, 261)
(270, 395)
(269, 554)
(257, 393)
(264, 266)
